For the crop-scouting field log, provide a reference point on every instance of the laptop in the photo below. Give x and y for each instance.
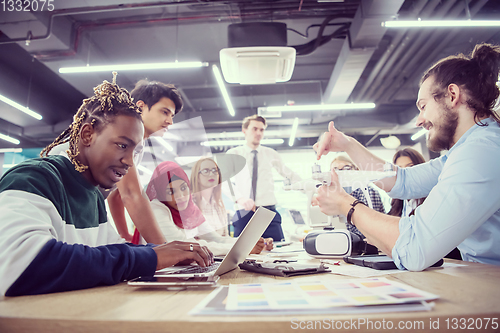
(238, 253)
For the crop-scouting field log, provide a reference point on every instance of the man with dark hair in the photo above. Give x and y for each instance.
(156, 117)
(159, 103)
(462, 209)
(255, 187)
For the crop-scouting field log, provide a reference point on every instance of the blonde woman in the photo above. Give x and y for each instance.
(205, 181)
(206, 188)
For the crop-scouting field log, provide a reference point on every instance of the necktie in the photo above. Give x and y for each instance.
(254, 175)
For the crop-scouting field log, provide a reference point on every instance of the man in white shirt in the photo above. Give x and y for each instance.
(254, 185)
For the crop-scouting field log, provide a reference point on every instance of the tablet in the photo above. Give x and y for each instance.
(174, 283)
(380, 262)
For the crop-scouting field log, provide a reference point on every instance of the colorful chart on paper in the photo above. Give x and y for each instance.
(321, 294)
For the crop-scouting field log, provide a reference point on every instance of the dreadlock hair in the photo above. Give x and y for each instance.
(477, 74)
(109, 101)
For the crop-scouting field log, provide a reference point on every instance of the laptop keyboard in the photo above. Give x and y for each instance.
(198, 269)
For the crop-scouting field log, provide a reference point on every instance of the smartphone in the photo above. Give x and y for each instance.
(380, 262)
(177, 283)
(219, 258)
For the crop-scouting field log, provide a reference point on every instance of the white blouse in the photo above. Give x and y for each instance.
(215, 216)
(204, 234)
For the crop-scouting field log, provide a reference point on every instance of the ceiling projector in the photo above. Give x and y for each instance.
(257, 54)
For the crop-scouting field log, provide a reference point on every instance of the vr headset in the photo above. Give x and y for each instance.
(335, 244)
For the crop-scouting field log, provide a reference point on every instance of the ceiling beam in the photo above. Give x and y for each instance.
(365, 34)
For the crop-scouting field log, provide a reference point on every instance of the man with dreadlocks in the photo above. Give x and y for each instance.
(159, 103)
(54, 224)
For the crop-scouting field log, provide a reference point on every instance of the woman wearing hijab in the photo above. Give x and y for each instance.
(179, 218)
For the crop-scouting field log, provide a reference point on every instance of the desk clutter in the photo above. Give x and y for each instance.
(366, 293)
(315, 297)
(466, 290)
(283, 268)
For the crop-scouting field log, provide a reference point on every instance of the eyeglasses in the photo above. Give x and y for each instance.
(206, 172)
(345, 167)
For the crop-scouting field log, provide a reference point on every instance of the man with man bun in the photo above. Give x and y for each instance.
(462, 209)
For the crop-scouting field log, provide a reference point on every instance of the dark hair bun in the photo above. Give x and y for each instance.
(487, 57)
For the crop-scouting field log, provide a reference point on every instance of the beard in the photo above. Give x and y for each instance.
(444, 131)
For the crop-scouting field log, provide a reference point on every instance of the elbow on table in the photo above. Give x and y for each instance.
(414, 258)
(418, 262)
(415, 267)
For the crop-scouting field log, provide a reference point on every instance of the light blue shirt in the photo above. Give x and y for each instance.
(462, 208)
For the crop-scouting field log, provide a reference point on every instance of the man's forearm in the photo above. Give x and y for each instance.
(380, 229)
(142, 215)
(117, 210)
(58, 267)
(139, 208)
(367, 161)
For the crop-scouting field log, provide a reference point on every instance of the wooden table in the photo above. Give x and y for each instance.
(469, 292)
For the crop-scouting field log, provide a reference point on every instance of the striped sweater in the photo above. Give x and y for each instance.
(54, 233)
